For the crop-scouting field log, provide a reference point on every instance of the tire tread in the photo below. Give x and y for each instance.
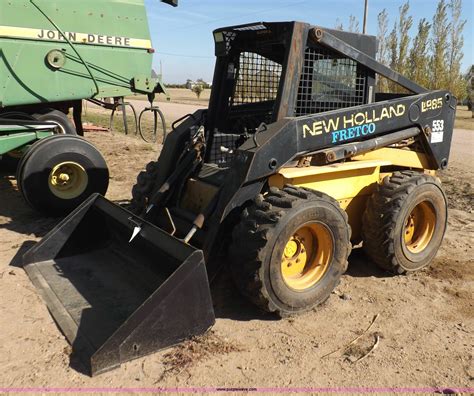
(251, 236)
(383, 208)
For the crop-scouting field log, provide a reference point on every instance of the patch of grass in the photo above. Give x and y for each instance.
(102, 118)
(194, 350)
(464, 118)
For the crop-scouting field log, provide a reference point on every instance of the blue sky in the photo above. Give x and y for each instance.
(183, 40)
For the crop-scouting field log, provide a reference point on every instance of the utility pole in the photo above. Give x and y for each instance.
(364, 30)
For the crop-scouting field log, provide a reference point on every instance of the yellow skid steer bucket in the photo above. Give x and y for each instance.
(114, 300)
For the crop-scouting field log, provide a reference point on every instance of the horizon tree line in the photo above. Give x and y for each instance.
(431, 57)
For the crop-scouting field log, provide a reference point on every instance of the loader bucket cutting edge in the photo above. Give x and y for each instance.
(116, 301)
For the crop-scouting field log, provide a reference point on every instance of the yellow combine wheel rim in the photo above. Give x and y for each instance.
(419, 227)
(306, 256)
(68, 180)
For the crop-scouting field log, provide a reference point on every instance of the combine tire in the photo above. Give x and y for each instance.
(290, 249)
(65, 126)
(405, 221)
(59, 172)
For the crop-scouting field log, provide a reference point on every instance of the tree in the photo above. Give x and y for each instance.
(354, 25)
(339, 25)
(433, 57)
(439, 47)
(393, 54)
(470, 89)
(382, 31)
(419, 58)
(456, 82)
(404, 25)
(197, 89)
(382, 50)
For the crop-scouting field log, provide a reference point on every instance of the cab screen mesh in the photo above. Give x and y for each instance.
(257, 79)
(329, 82)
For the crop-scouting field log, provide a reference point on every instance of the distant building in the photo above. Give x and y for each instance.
(190, 84)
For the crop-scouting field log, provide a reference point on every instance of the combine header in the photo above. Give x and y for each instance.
(53, 55)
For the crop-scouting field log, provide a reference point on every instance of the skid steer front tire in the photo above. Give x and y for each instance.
(290, 249)
(405, 221)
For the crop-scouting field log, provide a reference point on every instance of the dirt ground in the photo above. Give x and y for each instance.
(424, 322)
(464, 118)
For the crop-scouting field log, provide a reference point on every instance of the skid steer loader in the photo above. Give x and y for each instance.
(297, 159)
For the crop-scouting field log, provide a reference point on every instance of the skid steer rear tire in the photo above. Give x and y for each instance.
(276, 231)
(57, 155)
(405, 221)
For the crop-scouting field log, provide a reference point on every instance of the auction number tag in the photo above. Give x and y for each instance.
(437, 133)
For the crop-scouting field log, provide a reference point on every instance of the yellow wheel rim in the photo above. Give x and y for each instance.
(306, 256)
(68, 180)
(419, 227)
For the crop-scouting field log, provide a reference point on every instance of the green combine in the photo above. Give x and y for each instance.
(54, 55)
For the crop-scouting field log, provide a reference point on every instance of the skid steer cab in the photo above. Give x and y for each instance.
(299, 157)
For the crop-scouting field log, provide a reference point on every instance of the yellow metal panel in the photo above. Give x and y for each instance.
(340, 184)
(350, 183)
(295, 172)
(397, 157)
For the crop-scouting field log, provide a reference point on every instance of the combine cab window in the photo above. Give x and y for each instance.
(329, 82)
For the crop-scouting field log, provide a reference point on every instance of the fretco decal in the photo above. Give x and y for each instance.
(80, 38)
(352, 126)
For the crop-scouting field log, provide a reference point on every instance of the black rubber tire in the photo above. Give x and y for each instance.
(35, 167)
(258, 242)
(65, 126)
(384, 220)
(142, 190)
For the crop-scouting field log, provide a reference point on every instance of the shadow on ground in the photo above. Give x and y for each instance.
(360, 266)
(16, 215)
